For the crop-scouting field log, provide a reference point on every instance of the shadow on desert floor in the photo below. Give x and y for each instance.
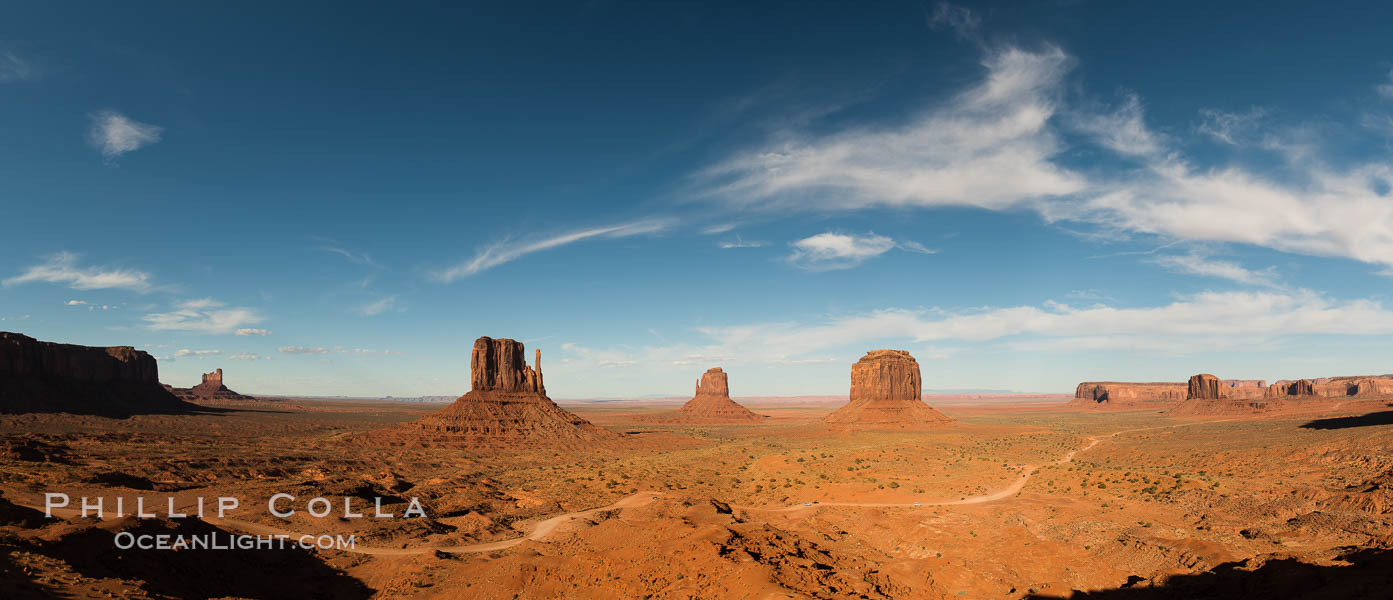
(1369, 420)
(1368, 574)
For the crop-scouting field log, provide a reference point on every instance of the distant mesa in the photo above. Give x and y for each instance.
(211, 388)
(887, 393)
(507, 406)
(1211, 396)
(48, 377)
(1128, 395)
(712, 405)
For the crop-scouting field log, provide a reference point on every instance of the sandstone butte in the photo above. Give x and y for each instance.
(211, 388)
(887, 393)
(1209, 395)
(115, 381)
(507, 406)
(712, 403)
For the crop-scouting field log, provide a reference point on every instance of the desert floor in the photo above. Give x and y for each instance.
(1010, 502)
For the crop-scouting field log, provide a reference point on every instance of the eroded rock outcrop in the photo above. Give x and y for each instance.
(38, 376)
(507, 406)
(887, 393)
(1204, 387)
(1299, 387)
(712, 402)
(211, 388)
(1125, 395)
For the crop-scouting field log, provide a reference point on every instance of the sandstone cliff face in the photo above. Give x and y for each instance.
(887, 392)
(500, 366)
(1120, 394)
(40, 376)
(712, 403)
(1299, 387)
(1204, 387)
(1372, 386)
(507, 407)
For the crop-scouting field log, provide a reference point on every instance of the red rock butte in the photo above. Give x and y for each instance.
(712, 403)
(887, 393)
(38, 376)
(507, 406)
(211, 388)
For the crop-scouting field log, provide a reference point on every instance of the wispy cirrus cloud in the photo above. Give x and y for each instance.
(738, 242)
(63, 269)
(302, 350)
(1385, 89)
(507, 251)
(831, 251)
(204, 315)
(114, 134)
(248, 356)
(1203, 266)
(357, 258)
(1232, 128)
(15, 68)
(378, 307)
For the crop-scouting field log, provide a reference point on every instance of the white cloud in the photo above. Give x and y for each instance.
(62, 269)
(504, 252)
(14, 68)
(75, 302)
(261, 332)
(302, 350)
(740, 243)
(1330, 214)
(376, 308)
(952, 155)
(959, 152)
(1385, 89)
(197, 353)
(829, 251)
(248, 356)
(1195, 264)
(115, 134)
(203, 316)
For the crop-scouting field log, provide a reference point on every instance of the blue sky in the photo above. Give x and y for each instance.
(337, 199)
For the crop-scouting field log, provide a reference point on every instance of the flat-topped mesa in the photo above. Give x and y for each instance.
(38, 376)
(1204, 387)
(499, 366)
(887, 391)
(213, 379)
(1123, 394)
(712, 403)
